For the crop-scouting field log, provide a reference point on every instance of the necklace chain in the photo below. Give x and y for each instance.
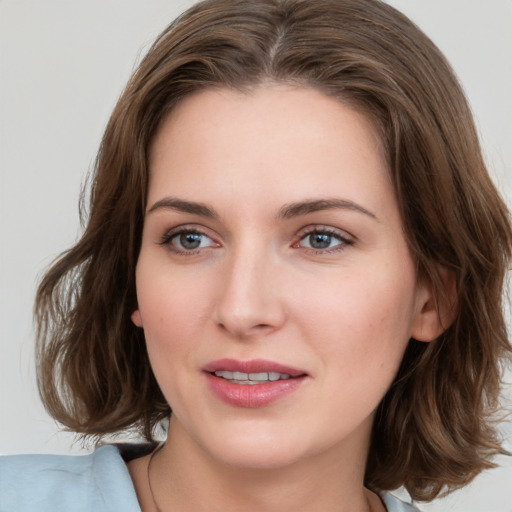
(155, 451)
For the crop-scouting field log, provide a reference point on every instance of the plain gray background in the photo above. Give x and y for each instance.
(62, 66)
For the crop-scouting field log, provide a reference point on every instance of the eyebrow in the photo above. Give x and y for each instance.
(288, 211)
(305, 207)
(180, 205)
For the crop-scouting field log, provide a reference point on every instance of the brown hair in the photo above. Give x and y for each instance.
(434, 428)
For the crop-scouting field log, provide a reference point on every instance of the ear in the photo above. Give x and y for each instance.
(436, 306)
(136, 318)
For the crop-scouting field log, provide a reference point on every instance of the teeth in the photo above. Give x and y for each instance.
(259, 376)
(251, 378)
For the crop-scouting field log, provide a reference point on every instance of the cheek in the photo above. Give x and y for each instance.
(171, 303)
(171, 311)
(363, 320)
(169, 321)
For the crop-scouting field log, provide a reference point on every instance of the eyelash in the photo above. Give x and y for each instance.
(320, 230)
(167, 238)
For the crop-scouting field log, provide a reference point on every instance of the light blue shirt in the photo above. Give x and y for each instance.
(98, 482)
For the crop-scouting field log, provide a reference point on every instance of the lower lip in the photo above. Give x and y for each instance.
(252, 395)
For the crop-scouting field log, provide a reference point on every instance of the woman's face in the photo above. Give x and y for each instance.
(273, 253)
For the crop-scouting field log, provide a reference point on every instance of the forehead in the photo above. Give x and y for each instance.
(269, 107)
(277, 140)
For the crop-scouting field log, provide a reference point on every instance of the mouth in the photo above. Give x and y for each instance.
(255, 383)
(256, 371)
(251, 378)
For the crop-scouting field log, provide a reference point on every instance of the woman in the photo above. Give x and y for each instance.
(293, 243)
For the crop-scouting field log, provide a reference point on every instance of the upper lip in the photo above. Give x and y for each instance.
(252, 366)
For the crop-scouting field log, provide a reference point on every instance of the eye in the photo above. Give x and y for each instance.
(187, 241)
(323, 240)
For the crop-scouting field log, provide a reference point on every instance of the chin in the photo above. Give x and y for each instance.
(250, 451)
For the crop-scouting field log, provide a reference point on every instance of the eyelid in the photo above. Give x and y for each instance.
(323, 228)
(169, 234)
(345, 238)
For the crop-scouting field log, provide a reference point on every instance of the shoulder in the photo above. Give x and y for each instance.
(393, 504)
(98, 482)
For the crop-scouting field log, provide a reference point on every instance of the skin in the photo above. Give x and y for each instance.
(257, 287)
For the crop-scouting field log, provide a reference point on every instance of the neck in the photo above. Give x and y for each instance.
(183, 477)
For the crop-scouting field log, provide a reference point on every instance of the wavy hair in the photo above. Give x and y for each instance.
(434, 430)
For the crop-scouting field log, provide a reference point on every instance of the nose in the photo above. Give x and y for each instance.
(250, 302)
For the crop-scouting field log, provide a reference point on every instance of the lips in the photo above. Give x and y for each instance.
(251, 384)
(251, 378)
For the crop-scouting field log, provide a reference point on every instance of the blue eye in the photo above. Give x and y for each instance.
(319, 240)
(187, 241)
